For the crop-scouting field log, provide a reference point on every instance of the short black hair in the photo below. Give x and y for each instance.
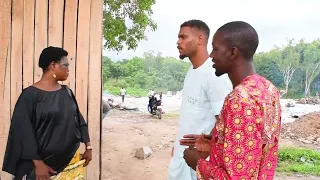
(241, 35)
(51, 54)
(198, 24)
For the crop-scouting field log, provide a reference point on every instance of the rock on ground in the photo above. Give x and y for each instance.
(143, 153)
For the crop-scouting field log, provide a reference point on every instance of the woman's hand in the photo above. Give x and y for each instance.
(87, 155)
(42, 170)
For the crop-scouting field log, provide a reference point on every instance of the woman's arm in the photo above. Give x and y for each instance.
(22, 142)
(22, 123)
(85, 138)
(84, 130)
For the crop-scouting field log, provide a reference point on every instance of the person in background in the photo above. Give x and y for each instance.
(151, 93)
(244, 143)
(46, 127)
(123, 93)
(202, 97)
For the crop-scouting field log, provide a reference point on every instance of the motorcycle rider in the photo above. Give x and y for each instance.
(151, 99)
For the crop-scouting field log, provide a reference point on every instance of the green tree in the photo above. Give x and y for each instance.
(311, 64)
(125, 22)
(266, 65)
(294, 65)
(288, 63)
(107, 63)
(138, 75)
(271, 71)
(116, 70)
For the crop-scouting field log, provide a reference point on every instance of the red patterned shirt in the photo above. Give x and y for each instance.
(245, 138)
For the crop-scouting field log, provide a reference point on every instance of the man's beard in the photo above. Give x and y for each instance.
(182, 57)
(218, 73)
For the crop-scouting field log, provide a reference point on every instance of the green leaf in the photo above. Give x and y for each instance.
(125, 22)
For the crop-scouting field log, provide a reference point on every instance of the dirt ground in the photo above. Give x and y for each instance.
(306, 126)
(124, 132)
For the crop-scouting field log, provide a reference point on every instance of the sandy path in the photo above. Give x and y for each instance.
(124, 132)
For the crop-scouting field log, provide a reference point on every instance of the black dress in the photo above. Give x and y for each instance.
(45, 125)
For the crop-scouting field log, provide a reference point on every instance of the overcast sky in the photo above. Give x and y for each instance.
(274, 20)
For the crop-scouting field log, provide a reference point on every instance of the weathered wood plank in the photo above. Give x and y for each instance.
(70, 39)
(6, 113)
(41, 35)
(95, 87)
(55, 29)
(83, 55)
(28, 42)
(5, 35)
(5, 73)
(16, 51)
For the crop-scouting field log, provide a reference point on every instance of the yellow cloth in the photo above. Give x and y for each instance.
(74, 171)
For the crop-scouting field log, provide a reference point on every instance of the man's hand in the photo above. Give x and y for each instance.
(192, 156)
(203, 143)
(43, 171)
(190, 139)
(87, 155)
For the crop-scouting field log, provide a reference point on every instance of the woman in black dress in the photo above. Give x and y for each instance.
(46, 126)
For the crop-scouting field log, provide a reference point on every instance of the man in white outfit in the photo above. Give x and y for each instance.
(203, 94)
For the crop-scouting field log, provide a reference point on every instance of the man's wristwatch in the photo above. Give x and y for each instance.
(88, 147)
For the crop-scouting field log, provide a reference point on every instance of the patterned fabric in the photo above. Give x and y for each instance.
(245, 138)
(74, 171)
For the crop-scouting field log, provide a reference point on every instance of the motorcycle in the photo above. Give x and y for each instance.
(156, 106)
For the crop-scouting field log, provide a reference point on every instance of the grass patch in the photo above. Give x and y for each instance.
(115, 90)
(170, 115)
(299, 160)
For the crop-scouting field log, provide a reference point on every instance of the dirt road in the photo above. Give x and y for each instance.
(124, 132)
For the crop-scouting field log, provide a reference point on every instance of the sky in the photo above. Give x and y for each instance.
(274, 20)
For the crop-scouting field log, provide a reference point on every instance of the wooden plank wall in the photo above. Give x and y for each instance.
(28, 26)
(5, 73)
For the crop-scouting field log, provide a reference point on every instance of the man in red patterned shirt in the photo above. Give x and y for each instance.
(244, 143)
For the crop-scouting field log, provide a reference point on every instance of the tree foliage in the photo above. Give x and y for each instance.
(288, 63)
(311, 64)
(125, 22)
(140, 74)
(295, 67)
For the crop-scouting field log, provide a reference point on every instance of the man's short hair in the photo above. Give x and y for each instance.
(241, 35)
(197, 24)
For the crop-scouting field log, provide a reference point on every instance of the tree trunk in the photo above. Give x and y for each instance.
(287, 87)
(306, 84)
(309, 78)
(287, 76)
